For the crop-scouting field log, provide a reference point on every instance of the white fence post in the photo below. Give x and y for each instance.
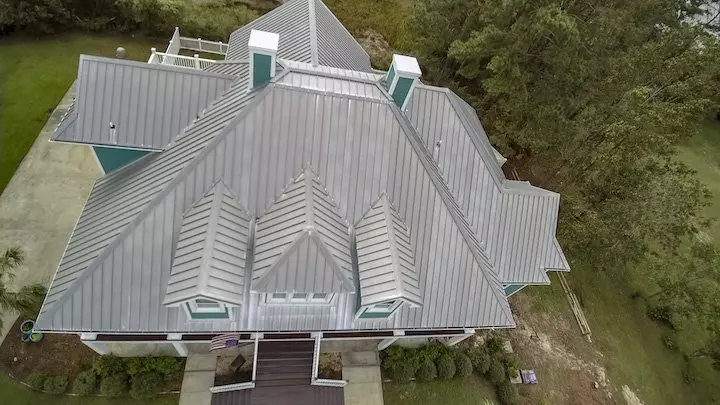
(197, 61)
(152, 55)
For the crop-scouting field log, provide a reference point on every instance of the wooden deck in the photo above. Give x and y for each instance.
(284, 371)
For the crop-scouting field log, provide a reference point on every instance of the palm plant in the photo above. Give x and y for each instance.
(25, 300)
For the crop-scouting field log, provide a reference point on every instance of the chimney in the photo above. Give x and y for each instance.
(263, 48)
(401, 79)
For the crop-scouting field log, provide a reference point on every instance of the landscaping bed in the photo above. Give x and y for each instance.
(56, 354)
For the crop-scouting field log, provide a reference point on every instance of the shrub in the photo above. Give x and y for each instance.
(427, 371)
(105, 366)
(662, 314)
(85, 383)
(463, 365)
(495, 345)
(166, 366)
(445, 367)
(37, 381)
(431, 352)
(401, 372)
(480, 358)
(395, 356)
(669, 341)
(55, 385)
(146, 385)
(496, 372)
(508, 393)
(114, 385)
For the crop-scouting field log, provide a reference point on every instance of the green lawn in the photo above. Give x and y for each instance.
(34, 75)
(468, 391)
(13, 393)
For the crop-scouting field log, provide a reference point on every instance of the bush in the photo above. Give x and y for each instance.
(431, 352)
(662, 314)
(105, 366)
(479, 358)
(401, 372)
(508, 393)
(494, 345)
(114, 385)
(55, 385)
(395, 356)
(445, 367)
(37, 381)
(35, 16)
(85, 383)
(146, 385)
(496, 372)
(669, 342)
(427, 371)
(463, 365)
(165, 366)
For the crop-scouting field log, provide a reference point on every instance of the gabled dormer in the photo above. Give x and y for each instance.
(207, 279)
(302, 252)
(386, 270)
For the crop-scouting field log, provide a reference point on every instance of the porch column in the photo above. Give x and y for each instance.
(387, 342)
(459, 338)
(89, 339)
(177, 343)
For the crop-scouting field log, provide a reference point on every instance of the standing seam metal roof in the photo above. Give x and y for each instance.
(309, 33)
(148, 105)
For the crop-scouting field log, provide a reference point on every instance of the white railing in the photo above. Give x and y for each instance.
(316, 366)
(202, 45)
(232, 387)
(255, 356)
(192, 62)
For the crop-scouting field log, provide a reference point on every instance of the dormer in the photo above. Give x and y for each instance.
(386, 270)
(302, 252)
(207, 278)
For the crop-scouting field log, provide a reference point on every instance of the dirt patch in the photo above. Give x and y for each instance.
(377, 47)
(56, 354)
(330, 366)
(630, 396)
(550, 346)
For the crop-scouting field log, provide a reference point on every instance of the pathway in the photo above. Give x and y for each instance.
(42, 202)
(362, 372)
(199, 377)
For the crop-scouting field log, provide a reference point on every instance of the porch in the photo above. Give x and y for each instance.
(173, 57)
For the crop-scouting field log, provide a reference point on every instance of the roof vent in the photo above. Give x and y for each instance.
(401, 79)
(263, 47)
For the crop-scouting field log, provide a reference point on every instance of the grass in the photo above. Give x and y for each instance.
(387, 17)
(34, 76)
(468, 391)
(20, 395)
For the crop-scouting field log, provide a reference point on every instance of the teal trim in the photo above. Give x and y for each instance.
(114, 158)
(390, 75)
(208, 315)
(374, 315)
(511, 289)
(402, 89)
(261, 69)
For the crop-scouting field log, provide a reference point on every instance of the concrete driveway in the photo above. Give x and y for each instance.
(40, 206)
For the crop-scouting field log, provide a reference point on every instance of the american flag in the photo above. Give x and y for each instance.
(224, 341)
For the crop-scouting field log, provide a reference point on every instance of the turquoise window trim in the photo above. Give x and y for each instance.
(402, 89)
(111, 159)
(511, 289)
(262, 66)
(208, 315)
(390, 76)
(374, 315)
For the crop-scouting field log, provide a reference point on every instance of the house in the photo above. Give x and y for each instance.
(289, 191)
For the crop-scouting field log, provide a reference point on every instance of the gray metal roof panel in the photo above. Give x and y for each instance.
(147, 104)
(309, 33)
(335, 85)
(67, 126)
(386, 268)
(211, 251)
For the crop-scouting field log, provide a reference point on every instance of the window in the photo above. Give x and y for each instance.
(203, 305)
(382, 307)
(298, 298)
(201, 308)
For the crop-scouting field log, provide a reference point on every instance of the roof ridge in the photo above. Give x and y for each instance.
(167, 188)
(453, 208)
(313, 33)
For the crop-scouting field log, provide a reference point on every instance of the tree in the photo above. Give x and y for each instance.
(28, 298)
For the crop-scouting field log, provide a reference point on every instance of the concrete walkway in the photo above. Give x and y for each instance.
(199, 377)
(362, 372)
(42, 202)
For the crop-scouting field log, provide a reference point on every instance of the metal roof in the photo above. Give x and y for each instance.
(211, 251)
(302, 243)
(385, 257)
(138, 105)
(309, 32)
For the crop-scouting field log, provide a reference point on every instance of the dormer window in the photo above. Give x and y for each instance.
(298, 298)
(201, 308)
(384, 307)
